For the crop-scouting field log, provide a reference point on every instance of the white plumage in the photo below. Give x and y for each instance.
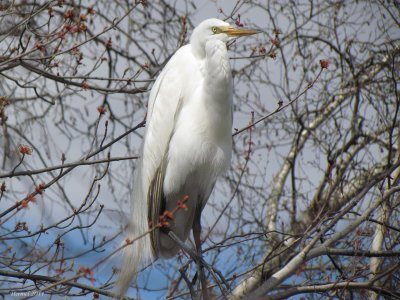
(187, 143)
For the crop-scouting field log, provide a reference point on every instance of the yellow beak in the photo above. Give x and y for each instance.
(236, 32)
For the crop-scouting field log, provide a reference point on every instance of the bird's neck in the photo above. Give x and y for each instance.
(218, 81)
(217, 67)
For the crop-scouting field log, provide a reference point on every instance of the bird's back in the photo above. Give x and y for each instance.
(171, 88)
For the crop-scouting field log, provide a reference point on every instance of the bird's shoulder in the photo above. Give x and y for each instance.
(184, 51)
(183, 59)
(174, 79)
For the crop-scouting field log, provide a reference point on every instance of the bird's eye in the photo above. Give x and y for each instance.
(214, 30)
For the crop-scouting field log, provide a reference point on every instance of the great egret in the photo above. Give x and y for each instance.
(187, 144)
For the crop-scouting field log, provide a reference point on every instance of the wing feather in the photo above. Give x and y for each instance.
(163, 109)
(165, 105)
(156, 203)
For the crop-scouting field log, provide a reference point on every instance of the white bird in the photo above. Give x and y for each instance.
(187, 144)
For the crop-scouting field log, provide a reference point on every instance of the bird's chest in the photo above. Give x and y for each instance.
(201, 143)
(210, 111)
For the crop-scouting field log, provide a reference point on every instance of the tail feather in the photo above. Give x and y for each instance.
(139, 252)
(135, 255)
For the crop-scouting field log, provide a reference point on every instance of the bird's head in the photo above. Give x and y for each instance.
(215, 29)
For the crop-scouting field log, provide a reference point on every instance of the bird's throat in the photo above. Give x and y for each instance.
(217, 64)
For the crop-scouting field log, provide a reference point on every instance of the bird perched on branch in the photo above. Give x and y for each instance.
(187, 145)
